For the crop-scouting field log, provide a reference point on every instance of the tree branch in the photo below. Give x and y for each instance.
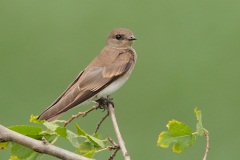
(99, 123)
(83, 114)
(38, 146)
(118, 134)
(207, 144)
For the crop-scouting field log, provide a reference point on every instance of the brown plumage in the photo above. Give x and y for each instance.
(104, 75)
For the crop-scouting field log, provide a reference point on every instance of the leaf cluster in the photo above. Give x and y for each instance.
(85, 144)
(180, 135)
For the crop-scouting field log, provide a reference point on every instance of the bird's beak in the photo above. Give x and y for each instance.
(132, 38)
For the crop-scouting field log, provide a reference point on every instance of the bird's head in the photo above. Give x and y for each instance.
(121, 38)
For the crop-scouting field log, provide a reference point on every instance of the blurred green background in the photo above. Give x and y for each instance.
(188, 56)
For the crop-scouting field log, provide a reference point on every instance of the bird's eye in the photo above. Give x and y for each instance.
(119, 36)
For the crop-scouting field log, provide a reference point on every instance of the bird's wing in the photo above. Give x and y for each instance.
(98, 77)
(43, 115)
(72, 85)
(89, 83)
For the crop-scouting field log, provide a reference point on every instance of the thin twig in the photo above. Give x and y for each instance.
(99, 124)
(118, 134)
(7, 135)
(83, 114)
(207, 145)
(114, 153)
(112, 141)
(115, 147)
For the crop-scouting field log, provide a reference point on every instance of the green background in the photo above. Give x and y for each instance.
(188, 56)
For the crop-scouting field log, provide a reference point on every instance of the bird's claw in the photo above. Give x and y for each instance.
(104, 102)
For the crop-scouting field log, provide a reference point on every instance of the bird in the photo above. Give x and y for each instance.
(104, 75)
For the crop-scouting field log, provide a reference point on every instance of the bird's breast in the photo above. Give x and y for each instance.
(114, 86)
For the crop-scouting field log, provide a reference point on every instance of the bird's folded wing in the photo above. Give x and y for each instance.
(87, 84)
(99, 77)
(46, 112)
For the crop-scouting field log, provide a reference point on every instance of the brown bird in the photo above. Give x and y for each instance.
(103, 76)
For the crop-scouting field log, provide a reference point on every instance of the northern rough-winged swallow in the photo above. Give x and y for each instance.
(103, 76)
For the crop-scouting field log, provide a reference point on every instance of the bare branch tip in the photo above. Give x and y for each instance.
(45, 142)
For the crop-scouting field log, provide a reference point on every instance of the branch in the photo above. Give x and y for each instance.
(38, 146)
(115, 147)
(99, 124)
(207, 144)
(83, 114)
(118, 134)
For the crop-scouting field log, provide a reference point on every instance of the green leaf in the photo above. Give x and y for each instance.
(200, 129)
(3, 145)
(96, 141)
(80, 132)
(85, 147)
(20, 151)
(72, 137)
(30, 131)
(198, 115)
(97, 135)
(51, 126)
(34, 119)
(61, 131)
(89, 154)
(35, 156)
(26, 130)
(180, 135)
(13, 158)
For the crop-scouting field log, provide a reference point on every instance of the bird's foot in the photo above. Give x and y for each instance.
(104, 102)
